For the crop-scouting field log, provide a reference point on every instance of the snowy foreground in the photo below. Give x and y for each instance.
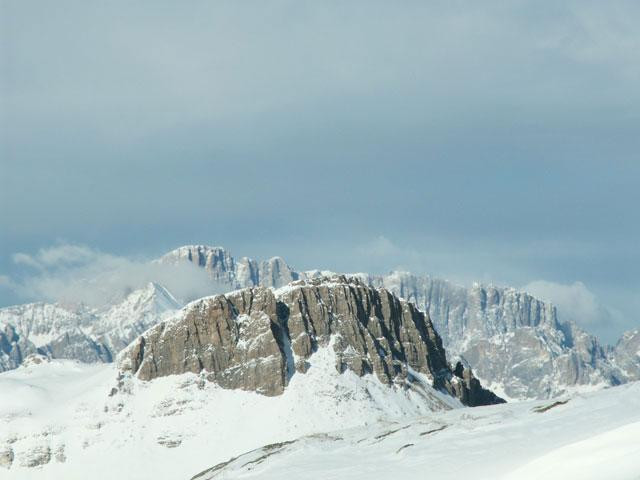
(57, 421)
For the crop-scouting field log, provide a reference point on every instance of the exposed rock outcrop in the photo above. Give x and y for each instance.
(229, 274)
(219, 263)
(626, 354)
(36, 456)
(257, 339)
(14, 348)
(514, 341)
(233, 338)
(78, 332)
(6, 456)
(76, 345)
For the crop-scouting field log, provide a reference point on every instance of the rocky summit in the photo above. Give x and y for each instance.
(626, 353)
(258, 339)
(77, 332)
(228, 273)
(515, 342)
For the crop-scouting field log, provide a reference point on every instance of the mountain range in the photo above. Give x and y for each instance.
(79, 332)
(285, 363)
(515, 343)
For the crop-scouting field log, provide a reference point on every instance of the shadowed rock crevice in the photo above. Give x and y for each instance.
(257, 339)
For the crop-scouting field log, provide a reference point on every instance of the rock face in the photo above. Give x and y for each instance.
(232, 337)
(257, 339)
(32, 328)
(225, 271)
(77, 345)
(626, 354)
(219, 263)
(14, 348)
(37, 456)
(79, 333)
(6, 456)
(513, 341)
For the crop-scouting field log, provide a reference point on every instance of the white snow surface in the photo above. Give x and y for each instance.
(592, 436)
(173, 427)
(344, 426)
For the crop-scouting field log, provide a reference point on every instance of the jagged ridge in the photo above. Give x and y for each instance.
(513, 340)
(80, 333)
(626, 353)
(255, 339)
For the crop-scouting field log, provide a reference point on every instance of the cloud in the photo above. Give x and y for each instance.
(24, 259)
(57, 256)
(430, 255)
(575, 298)
(380, 246)
(574, 301)
(483, 125)
(577, 303)
(70, 273)
(381, 254)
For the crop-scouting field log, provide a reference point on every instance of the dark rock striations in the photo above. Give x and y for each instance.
(514, 341)
(235, 338)
(257, 339)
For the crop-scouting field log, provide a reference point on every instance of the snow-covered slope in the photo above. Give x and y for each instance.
(118, 326)
(77, 332)
(324, 378)
(58, 420)
(582, 437)
(233, 371)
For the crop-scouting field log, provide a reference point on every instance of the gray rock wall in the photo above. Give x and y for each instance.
(626, 354)
(513, 340)
(255, 340)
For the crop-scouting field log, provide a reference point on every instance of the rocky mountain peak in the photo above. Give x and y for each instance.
(225, 271)
(154, 295)
(215, 260)
(201, 255)
(514, 341)
(78, 332)
(626, 353)
(258, 339)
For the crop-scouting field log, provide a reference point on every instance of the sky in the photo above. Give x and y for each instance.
(489, 141)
